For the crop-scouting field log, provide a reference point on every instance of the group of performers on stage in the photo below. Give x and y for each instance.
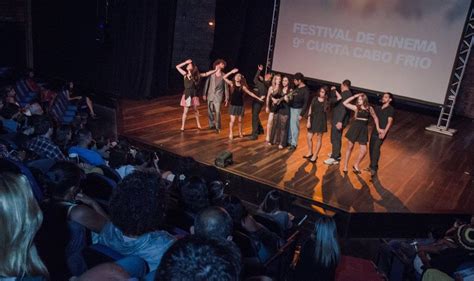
(286, 101)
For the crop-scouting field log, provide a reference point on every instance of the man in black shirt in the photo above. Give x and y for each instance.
(298, 106)
(385, 114)
(262, 84)
(340, 119)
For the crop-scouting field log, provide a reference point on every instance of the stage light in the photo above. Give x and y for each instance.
(211, 23)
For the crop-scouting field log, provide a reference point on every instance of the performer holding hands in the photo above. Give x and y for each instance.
(238, 87)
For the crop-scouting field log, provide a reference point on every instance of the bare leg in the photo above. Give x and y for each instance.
(231, 127)
(309, 139)
(269, 126)
(240, 126)
(319, 142)
(183, 118)
(90, 106)
(362, 153)
(196, 114)
(350, 146)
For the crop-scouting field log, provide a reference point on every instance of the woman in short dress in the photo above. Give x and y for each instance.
(317, 123)
(358, 131)
(238, 87)
(270, 108)
(190, 98)
(282, 114)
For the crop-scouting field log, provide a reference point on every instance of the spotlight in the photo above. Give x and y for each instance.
(211, 23)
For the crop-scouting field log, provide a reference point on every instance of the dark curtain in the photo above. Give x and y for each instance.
(134, 37)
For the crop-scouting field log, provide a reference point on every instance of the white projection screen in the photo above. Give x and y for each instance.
(407, 47)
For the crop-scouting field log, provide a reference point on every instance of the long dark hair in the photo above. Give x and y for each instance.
(243, 81)
(327, 251)
(326, 93)
(195, 76)
(272, 202)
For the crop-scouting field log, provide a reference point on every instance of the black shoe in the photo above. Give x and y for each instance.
(357, 172)
(218, 131)
(261, 132)
(308, 156)
(212, 127)
(292, 148)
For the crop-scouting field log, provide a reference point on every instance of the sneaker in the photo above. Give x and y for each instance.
(330, 155)
(331, 161)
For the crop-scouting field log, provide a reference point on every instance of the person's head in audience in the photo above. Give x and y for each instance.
(213, 222)
(10, 96)
(216, 192)
(43, 127)
(272, 202)
(118, 158)
(104, 272)
(63, 181)
(195, 195)
(196, 258)
(10, 111)
(138, 204)
(327, 251)
(63, 136)
(234, 207)
(20, 218)
(84, 138)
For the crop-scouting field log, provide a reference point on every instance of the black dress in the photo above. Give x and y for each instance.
(189, 97)
(279, 130)
(274, 107)
(359, 131)
(237, 101)
(318, 117)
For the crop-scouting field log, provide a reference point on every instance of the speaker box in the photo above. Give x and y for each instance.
(223, 159)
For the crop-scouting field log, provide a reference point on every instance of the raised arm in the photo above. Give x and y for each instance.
(347, 102)
(258, 78)
(226, 79)
(206, 74)
(180, 69)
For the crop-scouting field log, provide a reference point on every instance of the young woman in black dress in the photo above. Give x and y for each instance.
(190, 98)
(270, 108)
(358, 131)
(279, 134)
(317, 123)
(238, 87)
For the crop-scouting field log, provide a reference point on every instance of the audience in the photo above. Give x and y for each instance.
(42, 144)
(137, 212)
(195, 258)
(89, 156)
(21, 218)
(272, 207)
(194, 195)
(320, 254)
(214, 223)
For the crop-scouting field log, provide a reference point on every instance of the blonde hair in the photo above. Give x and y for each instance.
(274, 85)
(20, 218)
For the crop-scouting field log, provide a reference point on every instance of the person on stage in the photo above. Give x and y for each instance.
(262, 84)
(340, 119)
(191, 77)
(358, 131)
(238, 87)
(215, 90)
(317, 123)
(385, 115)
(282, 114)
(271, 108)
(298, 106)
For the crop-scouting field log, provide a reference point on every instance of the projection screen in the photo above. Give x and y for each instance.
(407, 47)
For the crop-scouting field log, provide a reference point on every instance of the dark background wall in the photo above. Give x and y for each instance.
(134, 54)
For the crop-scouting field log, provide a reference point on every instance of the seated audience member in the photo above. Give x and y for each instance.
(8, 117)
(42, 144)
(266, 242)
(137, 212)
(67, 214)
(216, 192)
(195, 258)
(84, 139)
(63, 137)
(214, 223)
(10, 96)
(79, 99)
(272, 207)
(129, 268)
(194, 195)
(320, 254)
(21, 218)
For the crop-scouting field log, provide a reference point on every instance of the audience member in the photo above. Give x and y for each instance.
(42, 144)
(8, 116)
(214, 223)
(320, 254)
(272, 207)
(196, 258)
(84, 139)
(137, 211)
(194, 195)
(63, 137)
(21, 218)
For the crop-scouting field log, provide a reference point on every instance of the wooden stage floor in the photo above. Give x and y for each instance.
(420, 171)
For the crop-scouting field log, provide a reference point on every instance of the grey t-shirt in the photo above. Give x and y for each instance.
(219, 85)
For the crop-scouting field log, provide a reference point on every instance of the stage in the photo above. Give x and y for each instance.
(420, 172)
